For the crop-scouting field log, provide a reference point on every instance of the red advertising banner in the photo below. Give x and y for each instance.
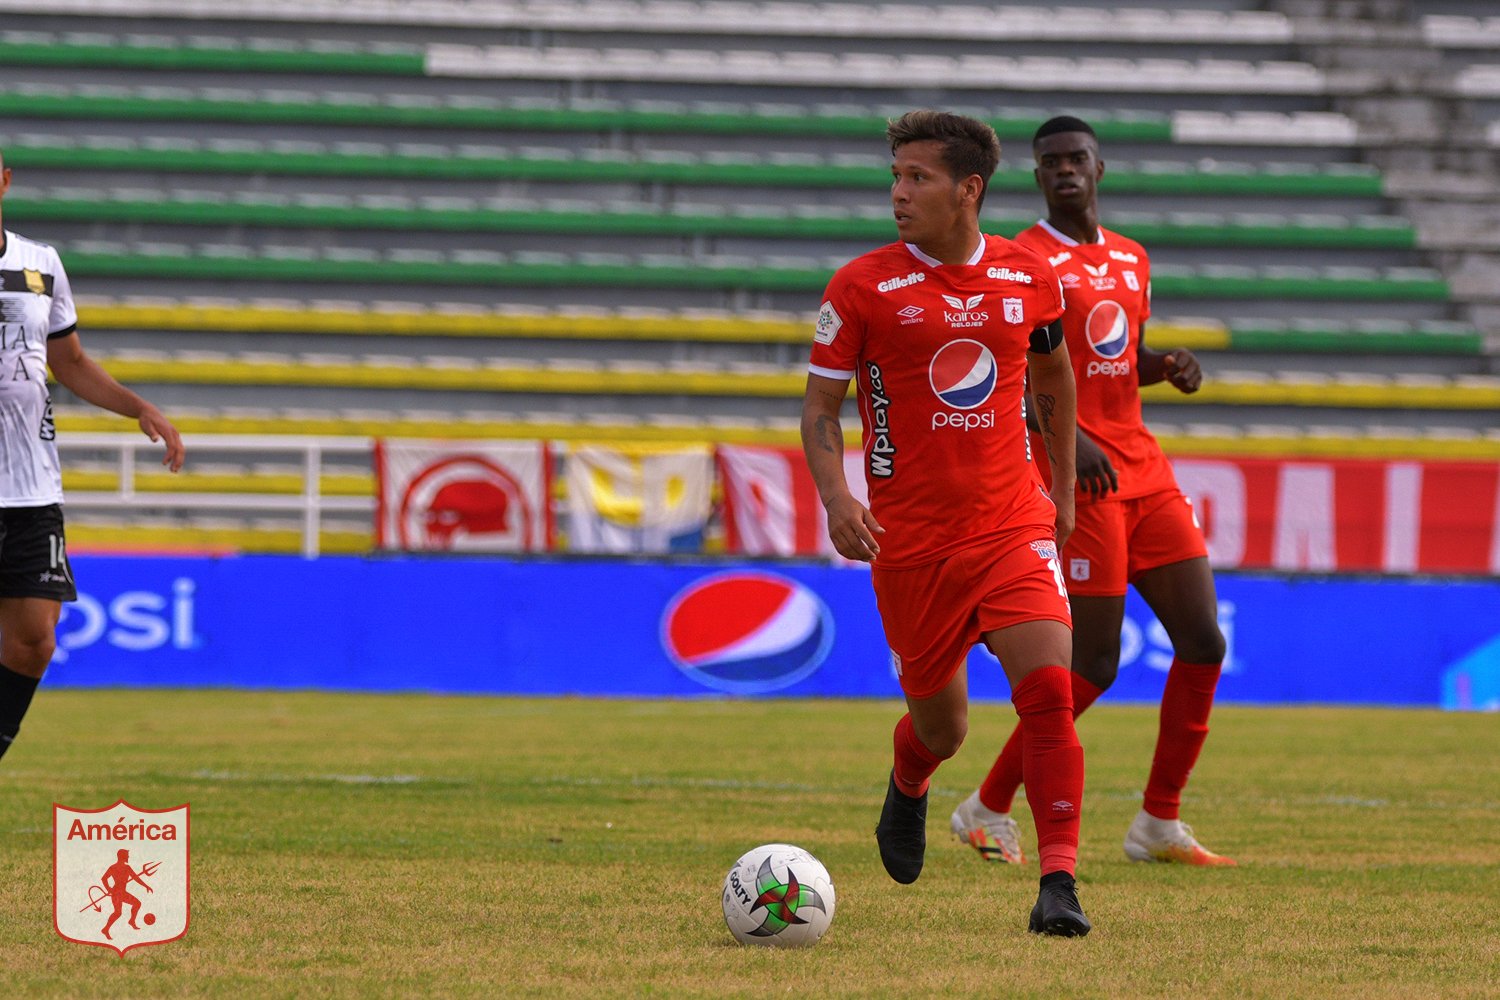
(463, 496)
(771, 507)
(1347, 516)
(1298, 515)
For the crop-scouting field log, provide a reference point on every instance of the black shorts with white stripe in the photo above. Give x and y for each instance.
(33, 554)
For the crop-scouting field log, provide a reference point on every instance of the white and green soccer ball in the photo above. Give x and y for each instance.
(778, 895)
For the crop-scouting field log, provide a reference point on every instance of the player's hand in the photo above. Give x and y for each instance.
(852, 529)
(159, 428)
(1182, 370)
(1096, 474)
(1063, 501)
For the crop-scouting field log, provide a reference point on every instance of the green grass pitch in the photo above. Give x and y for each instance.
(391, 846)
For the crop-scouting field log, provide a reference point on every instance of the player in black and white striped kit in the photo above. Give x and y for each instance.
(39, 330)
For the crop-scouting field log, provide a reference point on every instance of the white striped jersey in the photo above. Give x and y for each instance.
(36, 304)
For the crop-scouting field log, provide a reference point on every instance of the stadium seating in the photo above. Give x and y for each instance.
(611, 218)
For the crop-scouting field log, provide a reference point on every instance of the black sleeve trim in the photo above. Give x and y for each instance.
(1045, 339)
(64, 332)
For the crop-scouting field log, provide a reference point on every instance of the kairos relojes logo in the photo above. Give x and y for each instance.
(120, 875)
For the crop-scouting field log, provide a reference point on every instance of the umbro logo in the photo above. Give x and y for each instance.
(909, 315)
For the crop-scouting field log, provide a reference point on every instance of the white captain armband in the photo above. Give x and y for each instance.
(1044, 339)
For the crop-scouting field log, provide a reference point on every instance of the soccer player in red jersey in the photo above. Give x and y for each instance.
(941, 330)
(1133, 523)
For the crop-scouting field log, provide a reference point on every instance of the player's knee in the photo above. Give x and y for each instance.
(1201, 645)
(1099, 669)
(943, 741)
(28, 652)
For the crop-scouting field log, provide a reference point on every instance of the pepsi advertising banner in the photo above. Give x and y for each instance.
(651, 629)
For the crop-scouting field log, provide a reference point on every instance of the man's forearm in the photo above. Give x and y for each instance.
(1056, 406)
(823, 444)
(93, 384)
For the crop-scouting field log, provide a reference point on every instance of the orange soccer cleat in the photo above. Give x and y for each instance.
(1171, 840)
(994, 835)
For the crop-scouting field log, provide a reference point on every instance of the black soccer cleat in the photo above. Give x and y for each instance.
(1057, 911)
(902, 833)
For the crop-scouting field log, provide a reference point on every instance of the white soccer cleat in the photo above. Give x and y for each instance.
(994, 835)
(1152, 839)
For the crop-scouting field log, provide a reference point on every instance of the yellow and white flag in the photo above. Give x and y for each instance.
(637, 498)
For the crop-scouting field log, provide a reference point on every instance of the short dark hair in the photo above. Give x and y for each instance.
(1062, 123)
(969, 145)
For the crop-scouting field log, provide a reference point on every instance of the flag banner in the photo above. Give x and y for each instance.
(771, 506)
(1347, 516)
(1297, 515)
(645, 498)
(463, 496)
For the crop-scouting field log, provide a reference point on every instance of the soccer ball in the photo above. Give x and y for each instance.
(778, 895)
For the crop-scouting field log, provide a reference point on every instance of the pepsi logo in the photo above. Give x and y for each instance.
(963, 373)
(1108, 329)
(747, 633)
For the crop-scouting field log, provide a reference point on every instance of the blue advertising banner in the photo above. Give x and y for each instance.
(641, 629)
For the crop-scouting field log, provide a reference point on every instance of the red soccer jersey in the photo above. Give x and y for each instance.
(1108, 288)
(939, 354)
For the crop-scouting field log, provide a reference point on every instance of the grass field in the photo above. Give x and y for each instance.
(426, 846)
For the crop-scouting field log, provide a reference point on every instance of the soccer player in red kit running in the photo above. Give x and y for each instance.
(1133, 523)
(941, 330)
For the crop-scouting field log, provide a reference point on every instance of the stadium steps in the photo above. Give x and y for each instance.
(834, 20)
(1369, 440)
(489, 114)
(719, 65)
(1452, 31)
(470, 162)
(218, 477)
(1289, 129)
(414, 319)
(427, 268)
(216, 53)
(514, 215)
(735, 379)
(877, 70)
(92, 532)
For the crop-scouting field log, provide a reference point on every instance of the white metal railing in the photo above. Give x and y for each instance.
(309, 502)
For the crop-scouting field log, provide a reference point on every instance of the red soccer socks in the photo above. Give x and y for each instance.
(1185, 705)
(999, 787)
(1052, 764)
(914, 762)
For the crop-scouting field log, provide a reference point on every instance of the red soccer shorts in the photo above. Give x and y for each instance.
(935, 613)
(1115, 541)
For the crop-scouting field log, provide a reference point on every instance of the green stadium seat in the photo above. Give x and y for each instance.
(218, 209)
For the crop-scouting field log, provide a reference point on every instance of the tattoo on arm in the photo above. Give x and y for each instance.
(827, 434)
(1045, 406)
